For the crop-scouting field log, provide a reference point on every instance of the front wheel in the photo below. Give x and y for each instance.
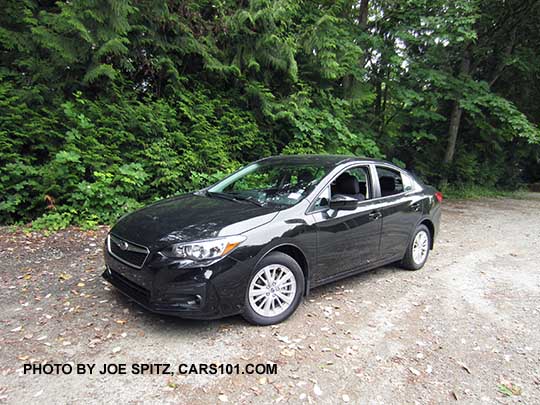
(274, 290)
(418, 250)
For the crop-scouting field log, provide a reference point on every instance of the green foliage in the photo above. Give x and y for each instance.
(55, 221)
(472, 191)
(261, 40)
(106, 105)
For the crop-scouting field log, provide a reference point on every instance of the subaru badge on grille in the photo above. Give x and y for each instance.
(122, 244)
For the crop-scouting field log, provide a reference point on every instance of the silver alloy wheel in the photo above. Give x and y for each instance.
(272, 290)
(420, 247)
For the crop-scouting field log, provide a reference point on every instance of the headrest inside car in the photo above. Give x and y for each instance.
(347, 184)
(388, 184)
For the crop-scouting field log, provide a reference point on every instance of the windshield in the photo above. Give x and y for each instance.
(271, 183)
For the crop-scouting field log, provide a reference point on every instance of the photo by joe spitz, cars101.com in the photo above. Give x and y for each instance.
(256, 242)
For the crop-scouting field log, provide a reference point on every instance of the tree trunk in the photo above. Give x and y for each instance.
(457, 112)
(503, 60)
(362, 21)
(348, 80)
(455, 120)
(363, 14)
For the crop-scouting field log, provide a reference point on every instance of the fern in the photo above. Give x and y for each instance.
(99, 71)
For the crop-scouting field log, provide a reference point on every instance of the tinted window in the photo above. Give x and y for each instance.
(323, 200)
(353, 183)
(390, 181)
(283, 183)
(407, 182)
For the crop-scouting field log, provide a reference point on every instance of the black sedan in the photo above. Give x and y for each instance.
(256, 242)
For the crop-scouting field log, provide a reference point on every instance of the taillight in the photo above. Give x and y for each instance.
(438, 196)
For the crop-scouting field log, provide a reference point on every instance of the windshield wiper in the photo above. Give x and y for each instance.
(234, 197)
(220, 195)
(248, 198)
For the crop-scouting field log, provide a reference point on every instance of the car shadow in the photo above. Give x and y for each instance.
(159, 321)
(354, 280)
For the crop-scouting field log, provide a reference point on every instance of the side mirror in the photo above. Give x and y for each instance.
(343, 202)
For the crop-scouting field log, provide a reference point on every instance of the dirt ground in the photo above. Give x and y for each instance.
(463, 329)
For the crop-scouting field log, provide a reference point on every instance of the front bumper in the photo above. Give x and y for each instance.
(209, 292)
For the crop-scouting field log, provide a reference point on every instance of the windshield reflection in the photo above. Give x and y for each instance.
(280, 184)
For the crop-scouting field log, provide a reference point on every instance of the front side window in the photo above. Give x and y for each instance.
(390, 181)
(272, 183)
(323, 201)
(353, 182)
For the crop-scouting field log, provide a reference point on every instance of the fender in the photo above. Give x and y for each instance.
(422, 219)
(271, 248)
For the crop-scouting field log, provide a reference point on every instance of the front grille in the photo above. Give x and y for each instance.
(129, 287)
(127, 252)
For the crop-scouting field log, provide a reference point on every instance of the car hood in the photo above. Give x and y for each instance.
(190, 217)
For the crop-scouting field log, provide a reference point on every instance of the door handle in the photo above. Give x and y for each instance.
(375, 215)
(415, 206)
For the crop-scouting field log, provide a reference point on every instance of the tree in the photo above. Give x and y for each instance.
(108, 104)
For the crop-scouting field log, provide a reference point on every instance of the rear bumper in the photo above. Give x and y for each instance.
(198, 293)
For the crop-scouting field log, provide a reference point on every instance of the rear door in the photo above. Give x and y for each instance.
(347, 240)
(401, 208)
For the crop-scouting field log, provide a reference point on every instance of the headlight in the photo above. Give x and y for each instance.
(204, 250)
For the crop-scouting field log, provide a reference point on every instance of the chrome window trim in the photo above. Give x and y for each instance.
(146, 250)
(401, 171)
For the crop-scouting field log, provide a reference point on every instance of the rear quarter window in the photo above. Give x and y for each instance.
(407, 182)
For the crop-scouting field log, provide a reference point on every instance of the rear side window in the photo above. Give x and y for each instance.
(391, 181)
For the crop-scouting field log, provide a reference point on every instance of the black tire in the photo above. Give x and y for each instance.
(275, 258)
(408, 261)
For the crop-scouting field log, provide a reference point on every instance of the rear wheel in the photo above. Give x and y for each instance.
(274, 290)
(418, 250)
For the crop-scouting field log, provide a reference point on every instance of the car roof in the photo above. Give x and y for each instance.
(325, 160)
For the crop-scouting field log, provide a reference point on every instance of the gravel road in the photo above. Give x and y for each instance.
(464, 329)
